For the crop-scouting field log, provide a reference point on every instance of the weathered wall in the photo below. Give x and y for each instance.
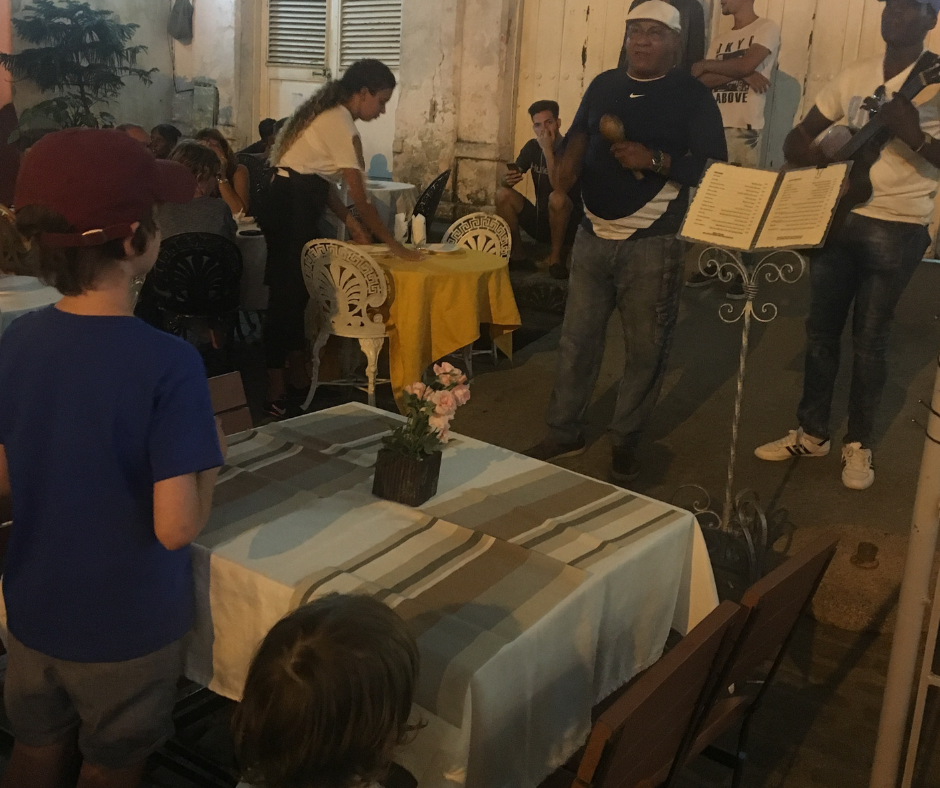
(184, 89)
(137, 103)
(458, 82)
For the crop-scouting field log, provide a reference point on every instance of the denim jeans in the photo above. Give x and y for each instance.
(870, 261)
(642, 279)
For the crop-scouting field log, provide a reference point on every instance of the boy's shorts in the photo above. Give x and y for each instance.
(122, 711)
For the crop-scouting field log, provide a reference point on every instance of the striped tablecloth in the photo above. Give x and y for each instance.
(533, 591)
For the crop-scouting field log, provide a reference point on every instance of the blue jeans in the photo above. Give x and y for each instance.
(870, 262)
(642, 279)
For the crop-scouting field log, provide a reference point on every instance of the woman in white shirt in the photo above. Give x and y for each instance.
(318, 148)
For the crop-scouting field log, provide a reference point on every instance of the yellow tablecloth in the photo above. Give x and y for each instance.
(438, 304)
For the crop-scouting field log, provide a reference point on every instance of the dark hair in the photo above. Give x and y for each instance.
(545, 105)
(198, 159)
(72, 270)
(373, 75)
(328, 696)
(169, 133)
(266, 128)
(216, 136)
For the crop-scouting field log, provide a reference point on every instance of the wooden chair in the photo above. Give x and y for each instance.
(774, 606)
(642, 738)
(483, 232)
(346, 287)
(229, 403)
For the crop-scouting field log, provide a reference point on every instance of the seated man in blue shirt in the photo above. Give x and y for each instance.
(109, 448)
(626, 254)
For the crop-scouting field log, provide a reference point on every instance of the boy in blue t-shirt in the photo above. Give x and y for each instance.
(110, 451)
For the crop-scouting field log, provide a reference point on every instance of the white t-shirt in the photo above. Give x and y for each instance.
(904, 182)
(741, 106)
(329, 145)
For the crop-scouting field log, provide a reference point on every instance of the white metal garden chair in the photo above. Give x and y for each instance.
(345, 285)
(483, 232)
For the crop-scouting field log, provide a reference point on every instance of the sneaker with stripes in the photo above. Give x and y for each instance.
(796, 444)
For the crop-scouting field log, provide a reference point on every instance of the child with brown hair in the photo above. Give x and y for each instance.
(110, 450)
(328, 696)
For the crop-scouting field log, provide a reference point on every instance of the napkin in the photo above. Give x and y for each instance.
(401, 228)
(419, 230)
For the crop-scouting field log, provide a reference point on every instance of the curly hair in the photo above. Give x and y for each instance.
(372, 75)
(328, 696)
(216, 136)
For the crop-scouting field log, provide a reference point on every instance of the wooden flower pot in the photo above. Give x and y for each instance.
(404, 479)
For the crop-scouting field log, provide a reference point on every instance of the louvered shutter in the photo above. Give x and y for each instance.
(297, 32)
(370, 28)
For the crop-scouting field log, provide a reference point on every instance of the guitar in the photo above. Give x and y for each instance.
(863, 147)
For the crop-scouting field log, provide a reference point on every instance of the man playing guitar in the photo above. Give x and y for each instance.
(871, 257)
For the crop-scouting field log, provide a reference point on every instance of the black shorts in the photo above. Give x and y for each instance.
(534, 220)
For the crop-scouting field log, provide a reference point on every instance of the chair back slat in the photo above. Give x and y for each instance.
(775, 603)
(229, 403)
(430, 198)
(196, 275)
(482, 232)
(641, 735)
(347, 286)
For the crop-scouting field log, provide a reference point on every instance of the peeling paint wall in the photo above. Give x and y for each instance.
(138, 103)
(184, 90)
(458, 80)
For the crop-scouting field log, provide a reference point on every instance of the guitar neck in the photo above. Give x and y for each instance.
(910, 90)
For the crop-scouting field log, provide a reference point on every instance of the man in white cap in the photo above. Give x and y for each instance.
(639, 141)
(871, 258)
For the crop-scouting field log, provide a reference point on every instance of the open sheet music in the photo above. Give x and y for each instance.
(749, 209)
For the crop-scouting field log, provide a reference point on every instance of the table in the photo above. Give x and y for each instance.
(22, 294)
(437, 307)
(391, 197)
(533, 591)
(254, 292)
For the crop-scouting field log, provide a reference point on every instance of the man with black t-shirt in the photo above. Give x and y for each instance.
(555, 216)
(639, 142)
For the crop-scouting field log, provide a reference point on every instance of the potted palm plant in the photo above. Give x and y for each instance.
(408, 465)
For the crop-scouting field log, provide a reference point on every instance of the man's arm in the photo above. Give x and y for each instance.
(798, 146)
(902, 117)
(735, 67)
(568, 168)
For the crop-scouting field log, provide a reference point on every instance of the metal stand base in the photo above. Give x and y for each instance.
(740, 538)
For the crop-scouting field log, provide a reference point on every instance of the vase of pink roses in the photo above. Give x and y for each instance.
(409, 463)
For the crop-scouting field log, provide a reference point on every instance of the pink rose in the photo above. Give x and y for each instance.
(443, 369)
(418, 389)
(441, 425)
(445, 402)
(449, 375)
(461, 394)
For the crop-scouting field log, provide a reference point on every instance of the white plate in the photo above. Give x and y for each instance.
(442, 248)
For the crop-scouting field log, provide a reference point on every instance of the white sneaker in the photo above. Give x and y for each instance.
(857, 472)
(796, 444)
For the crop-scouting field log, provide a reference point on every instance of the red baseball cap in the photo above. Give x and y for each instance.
(102, 181)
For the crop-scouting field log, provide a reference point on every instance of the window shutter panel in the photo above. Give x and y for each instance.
(297, 32)
(370, 29)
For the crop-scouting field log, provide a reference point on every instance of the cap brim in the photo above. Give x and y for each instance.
(173, 182)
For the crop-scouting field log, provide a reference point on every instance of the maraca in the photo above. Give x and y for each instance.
(611, 128)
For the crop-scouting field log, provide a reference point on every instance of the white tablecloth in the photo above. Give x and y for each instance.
(533, 591)
(22, 294)
(390, 197)
(254, 292)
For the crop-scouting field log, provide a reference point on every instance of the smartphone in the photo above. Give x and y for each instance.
(513, 167)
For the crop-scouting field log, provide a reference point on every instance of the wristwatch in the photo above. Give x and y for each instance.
(659, 162)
